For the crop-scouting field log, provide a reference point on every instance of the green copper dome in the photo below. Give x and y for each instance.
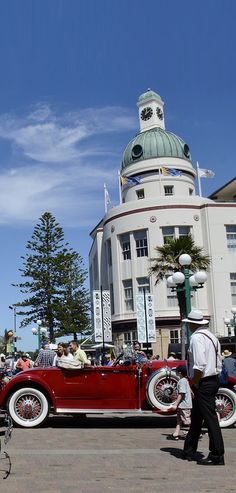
(148, 95)
(155, 143)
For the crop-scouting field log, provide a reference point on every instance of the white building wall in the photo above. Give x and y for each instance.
(206, 219)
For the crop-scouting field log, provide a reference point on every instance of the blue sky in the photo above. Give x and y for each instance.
(71, 74)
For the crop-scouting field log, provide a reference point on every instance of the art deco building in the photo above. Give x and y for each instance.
(159, 201)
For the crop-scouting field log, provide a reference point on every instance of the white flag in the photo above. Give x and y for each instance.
(205, 173)
(107, 199)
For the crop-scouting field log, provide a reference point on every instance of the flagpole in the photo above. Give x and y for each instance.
(105, 198)
(199, 181)
(160, 180)
(120, 192)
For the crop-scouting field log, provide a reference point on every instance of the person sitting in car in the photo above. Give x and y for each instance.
(62, 353)
(139, 355)
(78, 353)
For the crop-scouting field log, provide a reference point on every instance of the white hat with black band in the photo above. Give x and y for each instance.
(196, 317)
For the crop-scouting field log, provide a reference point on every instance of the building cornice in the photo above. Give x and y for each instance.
(165, 207)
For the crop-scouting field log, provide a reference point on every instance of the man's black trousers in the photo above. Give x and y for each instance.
(204, 410)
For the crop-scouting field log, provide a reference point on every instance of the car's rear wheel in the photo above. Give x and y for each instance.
(162, 389)
(28, 407)
(226, 407)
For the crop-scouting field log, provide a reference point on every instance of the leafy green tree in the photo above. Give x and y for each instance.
(52, 270)
(73, 313)
(167, 261)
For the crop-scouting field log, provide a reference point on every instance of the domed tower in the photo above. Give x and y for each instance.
(157, 202)
(156, 156)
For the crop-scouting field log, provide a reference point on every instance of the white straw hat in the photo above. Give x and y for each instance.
(226, 353)
(196, 317)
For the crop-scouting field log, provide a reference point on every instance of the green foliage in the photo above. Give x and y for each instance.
(167, 260)
(54, 283)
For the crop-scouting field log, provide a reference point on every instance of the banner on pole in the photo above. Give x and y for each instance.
(97, 308)
(145, 318)
(102, 316)
(106, 306)
(141, 324)
(151, 326)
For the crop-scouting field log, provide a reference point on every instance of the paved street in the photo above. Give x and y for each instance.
(111, 454)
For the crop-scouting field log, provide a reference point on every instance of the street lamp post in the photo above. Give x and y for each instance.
(231, 323)
(186, 282)
(39, 331)
(12, 307)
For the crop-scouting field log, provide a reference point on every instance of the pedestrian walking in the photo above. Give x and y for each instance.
(204, 367)
(183, 404)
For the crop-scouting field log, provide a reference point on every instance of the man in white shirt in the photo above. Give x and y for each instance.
(204, 367)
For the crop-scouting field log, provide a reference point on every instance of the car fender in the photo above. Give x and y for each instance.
(21, 380)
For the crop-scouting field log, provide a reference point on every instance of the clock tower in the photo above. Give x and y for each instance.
(151, 112)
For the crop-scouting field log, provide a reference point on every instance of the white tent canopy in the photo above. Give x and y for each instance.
(101, 345)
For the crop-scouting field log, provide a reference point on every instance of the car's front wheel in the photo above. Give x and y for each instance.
(226, 407)
(28, 407)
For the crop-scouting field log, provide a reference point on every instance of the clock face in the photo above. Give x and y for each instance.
(146, 113)
(159, 113)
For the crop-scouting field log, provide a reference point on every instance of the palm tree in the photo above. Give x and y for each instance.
(167, 262)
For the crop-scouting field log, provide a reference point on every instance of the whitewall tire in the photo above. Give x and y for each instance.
(226, 407)
(28, 407)
(162, 389)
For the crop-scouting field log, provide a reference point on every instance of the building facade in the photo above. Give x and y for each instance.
(159, 201)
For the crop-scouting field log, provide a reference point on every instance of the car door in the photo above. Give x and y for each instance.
(98, 388)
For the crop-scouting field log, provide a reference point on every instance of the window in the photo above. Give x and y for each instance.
(233, 287)
(141, 243)
(112, 299)
(172, 300)
(169, 190)
(130, 337)
(109, 254)
(95, 271)
(125, 246)
(190, 191)
(175, 336)
(128, 295)
(140, 193)
(183, 231)
(143, 284)
(231, 237)
(170, 232)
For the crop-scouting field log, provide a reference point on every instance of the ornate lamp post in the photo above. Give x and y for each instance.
(185, 282)
(231, 323)
(39, 331)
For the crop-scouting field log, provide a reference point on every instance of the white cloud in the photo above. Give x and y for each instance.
(59, 163)
(46, 137)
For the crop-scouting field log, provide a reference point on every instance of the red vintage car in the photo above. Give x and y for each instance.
(151, 388)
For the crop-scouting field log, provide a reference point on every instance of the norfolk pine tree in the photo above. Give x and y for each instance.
(54, 282)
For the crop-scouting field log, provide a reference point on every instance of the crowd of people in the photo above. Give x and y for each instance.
(49, 355)
(194, 406)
